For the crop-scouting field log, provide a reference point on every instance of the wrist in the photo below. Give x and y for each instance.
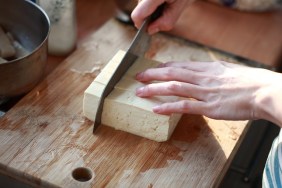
(268, 101)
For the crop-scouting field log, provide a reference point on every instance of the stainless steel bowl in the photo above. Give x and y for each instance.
(30, 26)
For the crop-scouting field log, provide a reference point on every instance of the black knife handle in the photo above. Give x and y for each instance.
(158, 12)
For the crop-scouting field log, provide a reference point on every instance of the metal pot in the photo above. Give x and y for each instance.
(30, 26)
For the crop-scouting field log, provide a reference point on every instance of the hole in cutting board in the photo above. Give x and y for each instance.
(82, 174)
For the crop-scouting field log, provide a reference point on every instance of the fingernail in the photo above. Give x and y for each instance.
(153, 30)
(139, 76)
(161, 65)
(157, 109)
(139, 91)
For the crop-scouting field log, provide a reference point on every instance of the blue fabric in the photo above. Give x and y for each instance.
(273, 171)
(228, 3)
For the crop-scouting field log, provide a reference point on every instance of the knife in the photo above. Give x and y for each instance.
(137, 48)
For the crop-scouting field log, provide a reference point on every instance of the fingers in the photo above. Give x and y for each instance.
(184, 106)
(143, 10)
(169, 17)
(172, 88)
(219, 90)
(166, 21)
(168, 74)
(193, 66)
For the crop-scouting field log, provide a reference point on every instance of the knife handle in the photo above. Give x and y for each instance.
(157, 13)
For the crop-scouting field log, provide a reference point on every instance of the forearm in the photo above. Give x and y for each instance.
(251, 5)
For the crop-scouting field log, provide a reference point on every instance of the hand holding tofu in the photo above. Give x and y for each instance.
(218, 90)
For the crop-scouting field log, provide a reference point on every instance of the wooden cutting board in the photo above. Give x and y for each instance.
(45, 137)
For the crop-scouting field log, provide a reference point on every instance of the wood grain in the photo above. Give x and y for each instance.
(45, 137)
(255, 36)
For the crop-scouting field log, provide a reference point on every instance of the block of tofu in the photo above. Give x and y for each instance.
(123, 110)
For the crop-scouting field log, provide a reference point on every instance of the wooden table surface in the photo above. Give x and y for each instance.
(255, 36)
(45, 139)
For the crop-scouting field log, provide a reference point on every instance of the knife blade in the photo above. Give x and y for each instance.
(137, 48)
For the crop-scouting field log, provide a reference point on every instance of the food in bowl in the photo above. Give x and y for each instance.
(10, 48)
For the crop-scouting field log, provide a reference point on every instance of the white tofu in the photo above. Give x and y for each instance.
(6, 48)
(123, 110)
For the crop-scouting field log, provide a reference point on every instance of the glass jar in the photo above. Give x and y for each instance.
(63, 33)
